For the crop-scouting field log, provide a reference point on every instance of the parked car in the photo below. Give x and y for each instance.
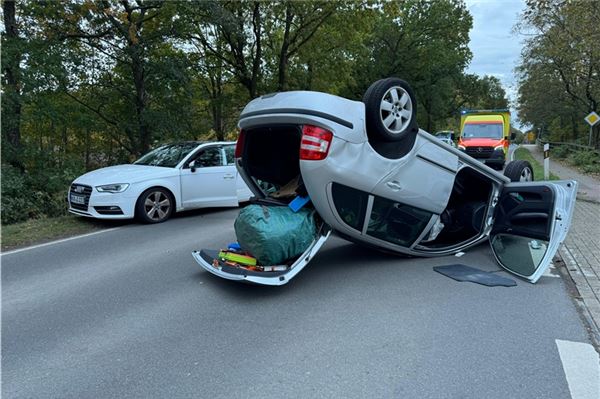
(377, 179)
(446, 136)
(173, 177)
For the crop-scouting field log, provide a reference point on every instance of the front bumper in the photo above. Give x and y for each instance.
(102, 206)
(493, 158)
(493, 161)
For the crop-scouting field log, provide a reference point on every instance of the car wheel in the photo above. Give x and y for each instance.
(391, 110)
(155, 205)
(519, 171)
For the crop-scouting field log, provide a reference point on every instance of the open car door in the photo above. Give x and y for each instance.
(531, 221)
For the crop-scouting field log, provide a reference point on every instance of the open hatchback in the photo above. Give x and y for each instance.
(377, 179)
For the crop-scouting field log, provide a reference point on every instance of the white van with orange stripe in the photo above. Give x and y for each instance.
(485, 135)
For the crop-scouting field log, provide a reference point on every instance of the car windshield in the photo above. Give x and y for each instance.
(167, 156)
(482, 130)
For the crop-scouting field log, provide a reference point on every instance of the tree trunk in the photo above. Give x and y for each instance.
(256, 20)
(310, 75)
(65, 140)
(283, 53)
(137, 68)
(217, 99)
(87, 149)
(11, 104)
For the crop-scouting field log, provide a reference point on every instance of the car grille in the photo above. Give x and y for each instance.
(83, 190)
(480, 152)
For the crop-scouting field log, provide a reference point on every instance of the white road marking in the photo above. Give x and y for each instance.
(582, 368)
(15, 251)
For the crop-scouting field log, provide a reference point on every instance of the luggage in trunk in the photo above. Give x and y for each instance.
(275, 234)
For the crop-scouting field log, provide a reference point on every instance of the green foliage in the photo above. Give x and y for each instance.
(99, 83)
(559, 68)
(588, 161)
(561, 151)
(34, 195)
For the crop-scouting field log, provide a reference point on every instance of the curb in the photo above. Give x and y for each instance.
(572, 278)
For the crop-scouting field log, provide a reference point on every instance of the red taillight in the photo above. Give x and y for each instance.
(315, 143)
(239, 146)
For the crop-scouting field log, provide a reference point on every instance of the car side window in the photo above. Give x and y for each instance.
(209, 157)
(351, 205)
(230, 154)
(397, 223)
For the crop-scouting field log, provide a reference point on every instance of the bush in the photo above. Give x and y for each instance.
(561, 151)
(34, 195)
(588, 161)
(18, 200)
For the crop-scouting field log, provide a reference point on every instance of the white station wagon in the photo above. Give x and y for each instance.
(377, 179)
(173, 177)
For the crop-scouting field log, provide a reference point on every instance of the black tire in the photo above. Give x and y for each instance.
(518, 171)
(155, 205)
(391, 110)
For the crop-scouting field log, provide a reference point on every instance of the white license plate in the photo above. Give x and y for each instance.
(77, 199)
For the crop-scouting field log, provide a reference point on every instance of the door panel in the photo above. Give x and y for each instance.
(212, 183)
(529, 225)
(424, 181)
(525, 211)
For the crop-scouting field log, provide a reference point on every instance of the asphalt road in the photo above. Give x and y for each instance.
(128, 313)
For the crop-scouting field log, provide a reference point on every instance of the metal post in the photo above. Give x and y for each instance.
(546, 161)
(590, 141)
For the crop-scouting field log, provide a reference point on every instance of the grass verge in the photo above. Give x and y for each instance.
(538, 169)
(37, 231)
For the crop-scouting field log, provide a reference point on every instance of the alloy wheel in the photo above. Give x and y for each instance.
(526, 175)
(157, 206)
(395, 109)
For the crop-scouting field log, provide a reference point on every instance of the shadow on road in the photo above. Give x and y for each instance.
(346, 257)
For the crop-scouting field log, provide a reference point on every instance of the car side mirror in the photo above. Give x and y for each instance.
(192, 166)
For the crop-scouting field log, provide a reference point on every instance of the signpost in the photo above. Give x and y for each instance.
(546, 161)
(592, 119)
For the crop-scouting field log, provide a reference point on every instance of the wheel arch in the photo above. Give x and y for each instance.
(153, 186)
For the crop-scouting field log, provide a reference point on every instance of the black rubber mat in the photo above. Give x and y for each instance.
(465, 273)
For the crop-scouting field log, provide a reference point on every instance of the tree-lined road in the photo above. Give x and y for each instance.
(128, 313)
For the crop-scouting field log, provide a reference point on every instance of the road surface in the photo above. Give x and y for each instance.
(128, 313)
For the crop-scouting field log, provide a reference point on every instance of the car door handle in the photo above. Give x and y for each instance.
(394, 185)
(229, 176)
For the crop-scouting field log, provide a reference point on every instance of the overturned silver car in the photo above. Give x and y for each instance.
(377, 179)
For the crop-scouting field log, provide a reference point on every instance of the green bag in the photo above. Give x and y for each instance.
(274, 234)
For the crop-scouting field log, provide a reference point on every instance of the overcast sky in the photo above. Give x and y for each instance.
(495, 48)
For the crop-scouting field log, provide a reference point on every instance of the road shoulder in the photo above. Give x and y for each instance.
(40, 231)
(580, 251)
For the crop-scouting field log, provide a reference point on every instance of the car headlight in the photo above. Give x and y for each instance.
(499, 147)
(113, 188)
(462, 147)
